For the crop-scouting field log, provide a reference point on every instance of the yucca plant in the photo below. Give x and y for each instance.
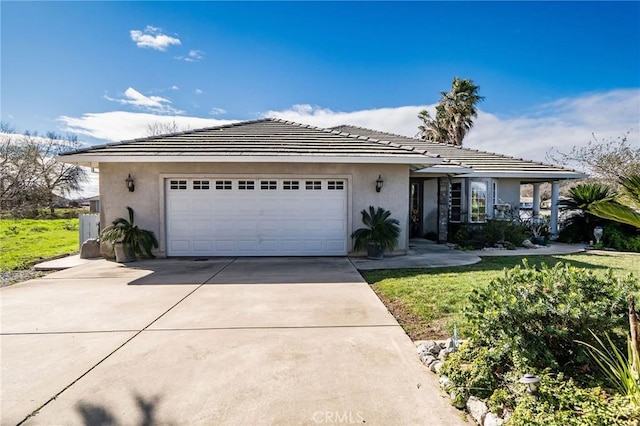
(381, 230)
(138, 241)
(617, 367)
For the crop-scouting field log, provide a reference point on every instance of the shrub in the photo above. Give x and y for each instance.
(494, 232)
(541, 313)
(621, 237)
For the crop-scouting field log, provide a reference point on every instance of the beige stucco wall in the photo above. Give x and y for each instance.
(147, 199)
(509, 192)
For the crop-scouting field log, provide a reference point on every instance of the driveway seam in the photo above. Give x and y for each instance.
(35, 412)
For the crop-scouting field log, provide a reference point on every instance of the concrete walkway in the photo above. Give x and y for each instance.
(223, 341)
(428, 254)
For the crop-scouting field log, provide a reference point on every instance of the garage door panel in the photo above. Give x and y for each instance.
(274, 218)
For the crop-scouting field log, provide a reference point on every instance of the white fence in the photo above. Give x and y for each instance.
(89, 227)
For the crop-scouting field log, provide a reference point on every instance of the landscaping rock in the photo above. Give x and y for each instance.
(90, 249)
(433, 347)
(106, 250)
(477, 409)
(435, 366)
(528, 244)
(492, 420)
(428, 360)
(459, 404)
(444, 382)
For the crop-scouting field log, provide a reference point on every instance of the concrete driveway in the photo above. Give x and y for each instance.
(220, 341)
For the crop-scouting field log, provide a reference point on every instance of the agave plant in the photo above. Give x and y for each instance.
(138, 241)
(381, 230)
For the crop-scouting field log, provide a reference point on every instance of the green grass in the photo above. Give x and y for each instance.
(24, 242)
(426, 302)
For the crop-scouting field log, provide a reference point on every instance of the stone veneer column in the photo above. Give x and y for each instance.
(444, 186)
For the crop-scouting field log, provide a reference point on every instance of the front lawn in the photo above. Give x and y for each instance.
(426, 302)
(24, 242)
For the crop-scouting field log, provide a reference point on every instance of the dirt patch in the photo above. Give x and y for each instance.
(13, 277)
(413, 325)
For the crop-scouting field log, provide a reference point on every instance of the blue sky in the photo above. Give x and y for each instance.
(552, 72)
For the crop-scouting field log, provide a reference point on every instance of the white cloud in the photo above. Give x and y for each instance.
(136, 99)
(123, 125)
(175, 87)
(152, 38)
(217, 111)
(193, 56)
(559, 125)
(198, 92)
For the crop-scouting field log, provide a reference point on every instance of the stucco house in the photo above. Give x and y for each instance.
(271, 187)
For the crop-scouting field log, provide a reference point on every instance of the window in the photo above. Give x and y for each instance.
(268, 184)
(290, 185)
(246, 184)
(178, 184)
(200, 184)
(455, 212)
(479, 191)
(313, 185)
(223, 184)
(336, 185)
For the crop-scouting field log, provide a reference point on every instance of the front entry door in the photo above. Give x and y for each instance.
(415, 208)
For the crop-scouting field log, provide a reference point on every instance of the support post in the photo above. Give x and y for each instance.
(555, 196)
(536, 200)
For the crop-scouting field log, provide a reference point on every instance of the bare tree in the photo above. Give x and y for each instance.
(30, 175)
(605, 160)
(158, 128)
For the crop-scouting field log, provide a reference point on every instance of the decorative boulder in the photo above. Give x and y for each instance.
(90, 249)
(107, 251)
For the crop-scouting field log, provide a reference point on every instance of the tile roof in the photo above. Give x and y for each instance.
(481, 163)
(266, 139)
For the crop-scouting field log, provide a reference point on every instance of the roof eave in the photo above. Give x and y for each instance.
(88, 159)
(550, 175)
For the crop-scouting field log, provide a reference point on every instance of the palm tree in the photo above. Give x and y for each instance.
(454, 113)
(580, 198)
(381, 230)
(624, 207)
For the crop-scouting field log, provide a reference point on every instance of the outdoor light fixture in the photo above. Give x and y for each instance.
(379, 183)
(130, 185)
(531, 380)
(597, 232)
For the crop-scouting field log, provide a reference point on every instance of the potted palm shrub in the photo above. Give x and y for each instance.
(129, 241)
(380, 233)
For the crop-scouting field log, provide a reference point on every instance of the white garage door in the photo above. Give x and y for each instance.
(256, 217)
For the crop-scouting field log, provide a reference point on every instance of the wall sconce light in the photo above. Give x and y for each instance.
(531, 380)
(379, 183)
(130, 185)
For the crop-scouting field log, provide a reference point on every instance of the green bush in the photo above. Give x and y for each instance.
(508, 233)
(529, 321)
(561, 402)
(542, 312)
(621, 237)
